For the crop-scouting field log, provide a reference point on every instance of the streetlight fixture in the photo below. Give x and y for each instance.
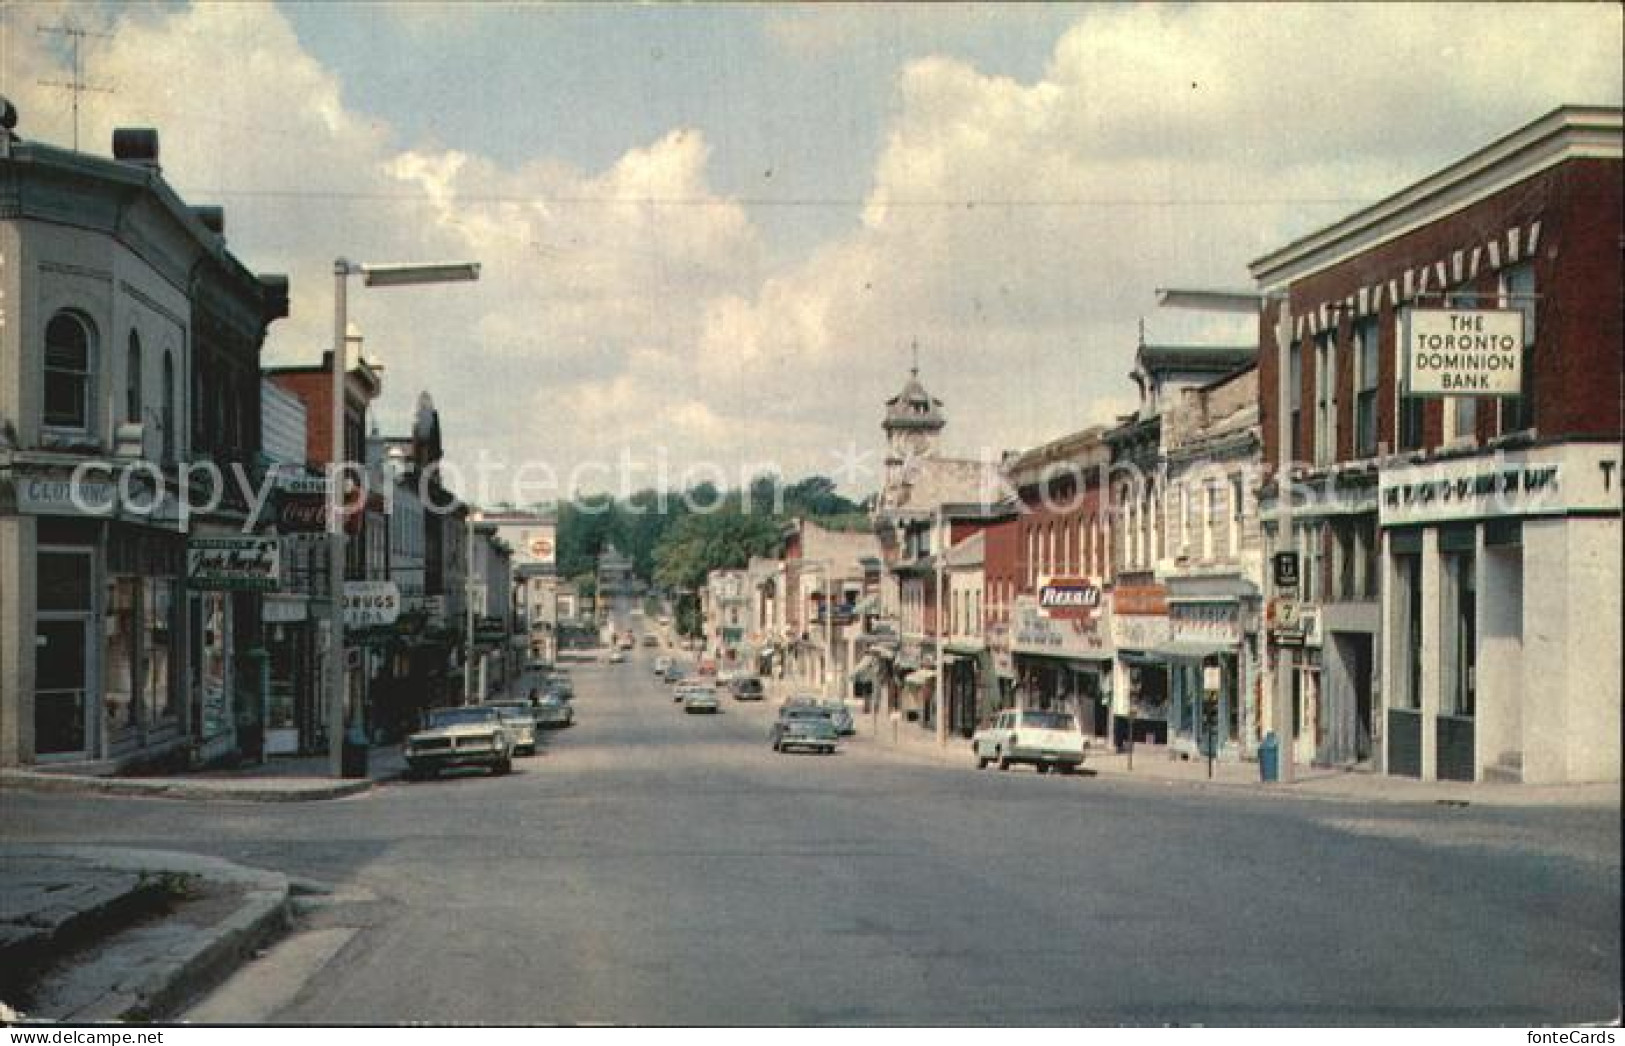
(392, 275)
(1252, 302)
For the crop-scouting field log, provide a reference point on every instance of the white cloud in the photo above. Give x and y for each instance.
(1017, 230)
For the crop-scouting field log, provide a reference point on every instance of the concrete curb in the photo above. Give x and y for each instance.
(204, 959)
(244, 790)
(1307, 791)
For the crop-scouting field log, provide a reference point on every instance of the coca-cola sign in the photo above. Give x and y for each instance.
(301, 513)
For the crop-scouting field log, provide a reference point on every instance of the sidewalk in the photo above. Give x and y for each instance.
(90, 934)
(280, 779)
(1157, 765)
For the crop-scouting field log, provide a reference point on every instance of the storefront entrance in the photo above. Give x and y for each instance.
(64, 655)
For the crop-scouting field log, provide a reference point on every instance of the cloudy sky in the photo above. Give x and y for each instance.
(710, 234)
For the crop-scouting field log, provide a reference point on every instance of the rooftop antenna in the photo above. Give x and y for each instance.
(77, 85)
(914, 345)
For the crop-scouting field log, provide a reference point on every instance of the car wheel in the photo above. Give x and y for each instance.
(1067, 769)
(1004, 763)
(502, 767)
(1042, 768)
(981, 762)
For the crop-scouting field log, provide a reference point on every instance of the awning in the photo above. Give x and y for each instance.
(920, 678)
(965, 649)
(865, 670)
(1194, 651)
(1141, 657)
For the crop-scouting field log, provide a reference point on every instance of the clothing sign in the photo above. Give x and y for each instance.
(1463, 352)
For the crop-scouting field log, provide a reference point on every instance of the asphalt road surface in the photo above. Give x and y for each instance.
(652, 867)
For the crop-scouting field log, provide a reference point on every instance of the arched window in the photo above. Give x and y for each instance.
(169, 406)
(132, 381)
(69, 373)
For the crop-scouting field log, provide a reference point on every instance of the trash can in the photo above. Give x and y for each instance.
(1269, 758)
(353, 756)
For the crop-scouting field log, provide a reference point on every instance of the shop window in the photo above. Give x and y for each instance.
(69, 372)
(1518, 292)
(1365, 388)
(1407, 637)
(121, 685)
(1459, 634)
(1408, 415)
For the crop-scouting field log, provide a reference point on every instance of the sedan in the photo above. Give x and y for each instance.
(803, 726)
(475, 735)
(551, 712)
(521, 722)
(701, 699)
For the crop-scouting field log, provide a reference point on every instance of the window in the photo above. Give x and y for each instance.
(1365, 388)
(1460, 639)
(1408, 607)
(68, 359)
(169, 407)
(132, 381)
(1295, 397)
(1408, 418)
(1209, 517)
(1518, 292)
(1326, 398)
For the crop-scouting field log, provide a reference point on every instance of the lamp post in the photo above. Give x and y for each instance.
(374, 276)
(939, 546)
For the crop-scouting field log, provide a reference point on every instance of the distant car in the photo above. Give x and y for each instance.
(552, 712)
(517, 714)
(616, 657)
(841, 716)
(803, 726)
(650, 639)
(1047, 740)
(562, 688)
(661, 664)
(675, 673)
(746, 688)
(475, 735)
(701, 698)
(689, 686)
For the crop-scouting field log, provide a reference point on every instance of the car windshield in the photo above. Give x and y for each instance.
(805, 712)
(1048, 720)
(461, 716)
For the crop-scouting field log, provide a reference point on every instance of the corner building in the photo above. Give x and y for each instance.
(1460, 554)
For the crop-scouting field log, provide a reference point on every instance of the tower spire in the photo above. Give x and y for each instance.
(914, 345)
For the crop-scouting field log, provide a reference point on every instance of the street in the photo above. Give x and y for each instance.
(650, 867)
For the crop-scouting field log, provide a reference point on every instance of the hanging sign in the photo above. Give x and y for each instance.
(241, 564)
(1463, 352)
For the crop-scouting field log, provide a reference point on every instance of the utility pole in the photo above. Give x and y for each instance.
(1285, 663)
(77, 85)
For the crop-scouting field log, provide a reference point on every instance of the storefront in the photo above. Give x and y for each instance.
(1063, 663)
(1212, 640)
(1140, 631)
(1502, 657)
(96, 596)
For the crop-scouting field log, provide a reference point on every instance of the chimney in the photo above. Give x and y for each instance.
(138, 146)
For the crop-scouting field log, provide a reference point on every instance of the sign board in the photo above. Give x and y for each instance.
(1034, 632)
(1212, 678)
(1462, 352)
(237, 564)
(301, 512)
(1286, 627)
(1567, 479)
(1062, 598)
(1286, 570)
(371, 603)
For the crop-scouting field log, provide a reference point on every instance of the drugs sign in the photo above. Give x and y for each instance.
(1068, 598)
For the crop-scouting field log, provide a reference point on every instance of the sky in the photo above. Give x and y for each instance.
(711, 236)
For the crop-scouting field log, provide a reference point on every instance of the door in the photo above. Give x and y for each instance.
(60, 688)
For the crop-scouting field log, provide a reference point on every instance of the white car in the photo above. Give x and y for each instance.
(474, 735)
(700, 698)
(1045, 739)
(661, 664)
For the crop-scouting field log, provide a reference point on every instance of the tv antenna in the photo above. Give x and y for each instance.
(77, 85)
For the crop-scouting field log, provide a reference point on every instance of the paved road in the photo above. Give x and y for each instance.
(655, 868)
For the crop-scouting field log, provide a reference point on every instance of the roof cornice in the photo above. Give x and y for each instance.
(1568, 133)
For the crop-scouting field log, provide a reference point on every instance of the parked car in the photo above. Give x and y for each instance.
(475, 735)
(551, 711)
(517, 714)
(746, 688)
(1045, 739)
(803, 726)
(701, 697)
(616, 657)
(675, 673)
(650, 639)
(661, 664)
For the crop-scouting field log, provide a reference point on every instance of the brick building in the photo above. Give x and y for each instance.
(1462, 551)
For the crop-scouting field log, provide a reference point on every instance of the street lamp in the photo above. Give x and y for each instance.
(392, 275)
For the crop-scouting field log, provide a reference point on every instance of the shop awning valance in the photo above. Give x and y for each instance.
(921, 678)
(1194, 651)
